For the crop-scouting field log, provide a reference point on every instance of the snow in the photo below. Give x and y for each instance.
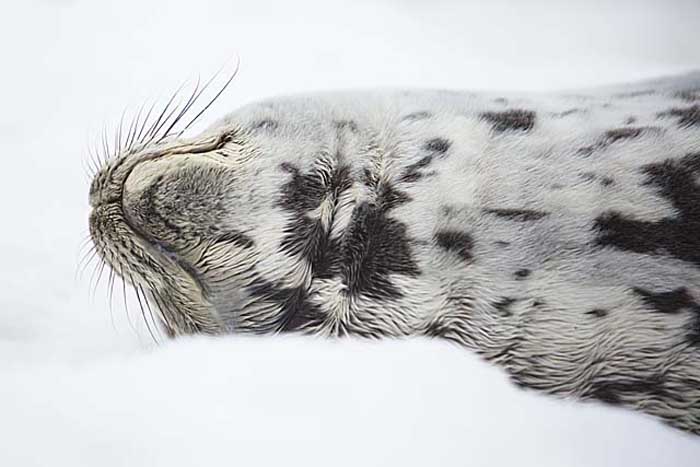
(80, 384)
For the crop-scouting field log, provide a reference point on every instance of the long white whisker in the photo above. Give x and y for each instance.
(143, 312)
(216, 96)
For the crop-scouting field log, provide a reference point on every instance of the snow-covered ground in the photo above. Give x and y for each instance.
(81, 385)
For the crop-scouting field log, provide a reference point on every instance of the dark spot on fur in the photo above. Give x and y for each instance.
(374, 247)
(521, 215)
(503, 306)
(672, 301)
(296, 312)
(305, 235)
(305, 192)
(412, 173)
(440, 145)
(613, 136)
(457, 242)
(618, 134)
(686, 117)
(417, 116)
(500, 100)
(522, 274)
(604, 181)
(598, 312)
(630, 120)
(678, 236)
(617, 389)
(265, 124)
(308, 238)
(510, 120)
(346, 125)
(436, 147)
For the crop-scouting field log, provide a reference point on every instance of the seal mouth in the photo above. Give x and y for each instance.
(158, 275)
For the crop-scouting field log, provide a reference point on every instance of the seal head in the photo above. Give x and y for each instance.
(160, 212)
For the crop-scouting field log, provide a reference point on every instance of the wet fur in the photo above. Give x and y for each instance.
(556, 235)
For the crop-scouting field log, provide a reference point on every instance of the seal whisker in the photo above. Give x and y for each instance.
(153, 129)
(159, 135)
(85, 247)
(163, 318)
(104, 157)
(118, 137)
(137, 288)
(94, 152)
(86, 164)
(196, 94)
(85, 261)
(126, 301)
(132, 128)
(95, 276)
(193, 97)
(216, 96)
(160, 305)
(141, 135)
(110, 283)
(86, 240)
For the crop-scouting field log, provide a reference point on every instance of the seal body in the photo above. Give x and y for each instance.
(556, 235)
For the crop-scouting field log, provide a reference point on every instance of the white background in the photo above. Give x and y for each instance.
(79, 386)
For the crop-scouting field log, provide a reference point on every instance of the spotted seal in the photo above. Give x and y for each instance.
(556, 235)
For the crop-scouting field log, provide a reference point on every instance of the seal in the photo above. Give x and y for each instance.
(556, 235)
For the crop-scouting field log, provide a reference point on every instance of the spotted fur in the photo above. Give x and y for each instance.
(556, 235)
